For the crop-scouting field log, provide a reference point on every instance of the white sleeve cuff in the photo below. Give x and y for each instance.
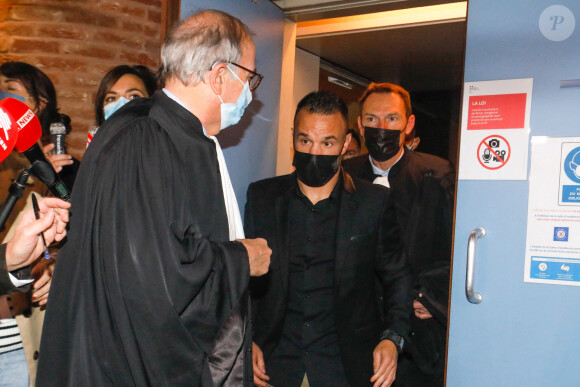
(18, 283)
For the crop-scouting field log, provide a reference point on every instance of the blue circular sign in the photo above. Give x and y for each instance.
(572, 165)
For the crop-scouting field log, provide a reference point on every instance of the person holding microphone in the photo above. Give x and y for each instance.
(23, 286)
(17, 257)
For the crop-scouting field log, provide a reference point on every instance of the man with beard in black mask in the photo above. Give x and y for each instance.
(315, 316)
(422, 188)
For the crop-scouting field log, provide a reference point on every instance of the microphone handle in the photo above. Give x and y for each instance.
(58, 141)
(57, 134)
(43, 170)
(14, 193)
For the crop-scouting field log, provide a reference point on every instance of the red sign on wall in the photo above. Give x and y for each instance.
(499, 111)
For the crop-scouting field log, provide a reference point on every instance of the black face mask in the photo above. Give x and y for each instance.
(382, 143)
(315, 170)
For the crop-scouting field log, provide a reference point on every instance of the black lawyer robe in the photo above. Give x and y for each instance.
(422, 187)
(148, 290)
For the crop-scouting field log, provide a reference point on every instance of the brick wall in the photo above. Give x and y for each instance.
(75, 42)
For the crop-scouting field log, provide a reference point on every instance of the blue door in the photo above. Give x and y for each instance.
(521, 333)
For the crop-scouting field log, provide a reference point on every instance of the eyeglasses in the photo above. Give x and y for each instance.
(254, 80)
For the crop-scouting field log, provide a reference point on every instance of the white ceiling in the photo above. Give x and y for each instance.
(420, 58)
(301, 6)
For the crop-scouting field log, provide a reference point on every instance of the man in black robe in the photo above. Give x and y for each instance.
(422, 188)
(151, 288)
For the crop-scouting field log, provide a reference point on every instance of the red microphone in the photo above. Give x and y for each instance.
(25, 121)
(8, 129)
(29, 132)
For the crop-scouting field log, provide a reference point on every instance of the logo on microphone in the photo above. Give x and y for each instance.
(25, 119)
(5, 124)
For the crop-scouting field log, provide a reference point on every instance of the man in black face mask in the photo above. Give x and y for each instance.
(315, 315)
(422, 188)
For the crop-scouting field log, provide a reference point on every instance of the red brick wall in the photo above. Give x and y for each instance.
(75, 42)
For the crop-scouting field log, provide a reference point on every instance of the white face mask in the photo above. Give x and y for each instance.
(231, 113)
(114, 106)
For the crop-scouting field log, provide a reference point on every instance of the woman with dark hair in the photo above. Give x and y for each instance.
(121, 85)
(38, 90)
(26, 80)
(20, 319)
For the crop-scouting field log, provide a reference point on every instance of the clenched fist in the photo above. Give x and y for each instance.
(259, 254)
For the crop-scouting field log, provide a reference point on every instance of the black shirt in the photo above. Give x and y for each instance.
(309, 342)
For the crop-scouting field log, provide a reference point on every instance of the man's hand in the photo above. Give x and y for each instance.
(260, 376)
(57, 161)
(420, 311)
(42, 283)
(384, 364)
(259, 254)
(26, 244)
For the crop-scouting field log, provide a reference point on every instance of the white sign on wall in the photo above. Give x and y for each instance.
(553, 230)
(495, 129)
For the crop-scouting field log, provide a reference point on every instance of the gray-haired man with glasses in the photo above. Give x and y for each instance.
(152, 285)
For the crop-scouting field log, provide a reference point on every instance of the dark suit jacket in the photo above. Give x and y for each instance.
(367, 246)
(422, 187)
(6, 285)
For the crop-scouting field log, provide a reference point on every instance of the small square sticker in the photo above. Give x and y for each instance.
(561, 234)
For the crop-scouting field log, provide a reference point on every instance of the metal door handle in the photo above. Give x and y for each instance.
(472, 296)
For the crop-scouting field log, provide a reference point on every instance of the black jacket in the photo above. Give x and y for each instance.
(6, 285)
(367, 246)
(423, 189)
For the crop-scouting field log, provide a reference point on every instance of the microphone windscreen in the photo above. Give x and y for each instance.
(8, 127)
(25, 122)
